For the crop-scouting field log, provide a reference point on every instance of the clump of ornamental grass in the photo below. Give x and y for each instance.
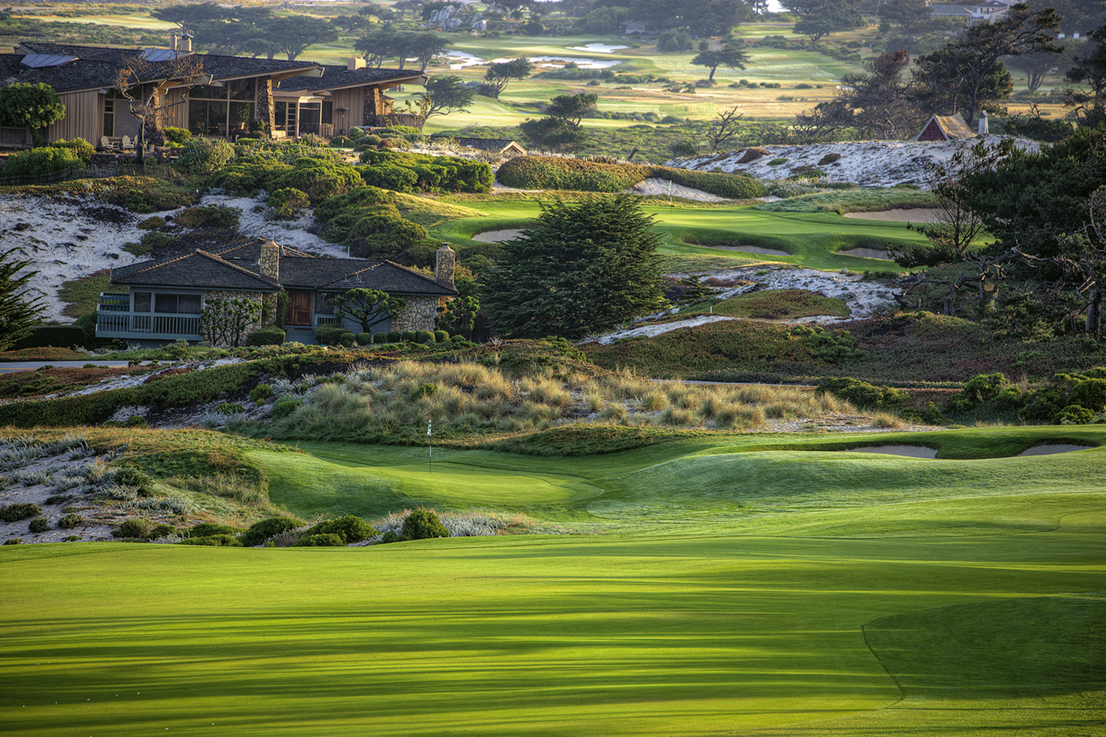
(394, 403)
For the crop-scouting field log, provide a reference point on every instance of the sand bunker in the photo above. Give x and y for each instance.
(497, 236)
(866, 253)
(905, 215)
(913, 451)
(1048, 450)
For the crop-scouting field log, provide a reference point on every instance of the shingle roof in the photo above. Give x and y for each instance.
(335, 76)
(199, 270)
(343, 273)
(97, 66)
(236, 266)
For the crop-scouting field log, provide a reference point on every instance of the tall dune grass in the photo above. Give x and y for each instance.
(394, 403)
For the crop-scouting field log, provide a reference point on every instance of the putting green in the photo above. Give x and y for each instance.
(343, 478)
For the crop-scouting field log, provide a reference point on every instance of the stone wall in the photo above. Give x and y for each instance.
(258, 297)
(265, 109)
(420, 314)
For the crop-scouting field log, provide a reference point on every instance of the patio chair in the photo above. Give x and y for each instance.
(127, 143)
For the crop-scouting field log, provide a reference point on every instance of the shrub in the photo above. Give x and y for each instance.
(347, 339)
(288, 203)
(39, 524)
(79, 146)
(250, 176)
(209, 216)
(340, 142)
(135, 421)
(221, 540)
(319, 178)
(425, 173)
(16, 512)
(230, 408)
(60, 336)
(364, 339)
(179, 136)
(13, 541)
(39, 162)
(206, 529)
(260, 392)
(1073, 414)
(69, 521)
(205, 155)
(330, 334)
(395, 336)
(134, 529)
(163, 531)
(390, 537)
(423, 524)
(424, 337)
(349, 529)
(379, 338)
(441, 336)
(261, 531)
(861, 393)
(266, 336)
(154, 223)
(408, 336)
(284, 408)
(323, 540)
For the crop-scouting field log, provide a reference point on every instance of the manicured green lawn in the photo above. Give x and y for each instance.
(811, 239)
(772, 587)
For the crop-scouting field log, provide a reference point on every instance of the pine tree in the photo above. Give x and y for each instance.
(585, 268)
(17, 313)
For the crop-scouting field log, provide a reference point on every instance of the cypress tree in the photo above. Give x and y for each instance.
(585, 268)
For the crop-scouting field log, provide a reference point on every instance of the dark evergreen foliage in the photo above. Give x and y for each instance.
(584, 268)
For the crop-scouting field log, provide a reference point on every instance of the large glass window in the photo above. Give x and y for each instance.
(221, 111)
(177, 304)
(140, 301)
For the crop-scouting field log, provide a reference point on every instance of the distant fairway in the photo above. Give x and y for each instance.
(812, 239)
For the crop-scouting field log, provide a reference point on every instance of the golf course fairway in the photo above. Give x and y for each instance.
(731, 589)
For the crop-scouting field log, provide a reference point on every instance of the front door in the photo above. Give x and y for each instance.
(299, 307)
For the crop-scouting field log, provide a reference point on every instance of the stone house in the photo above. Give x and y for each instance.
(160, 301)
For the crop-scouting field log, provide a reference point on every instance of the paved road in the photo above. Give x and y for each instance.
(10, 367)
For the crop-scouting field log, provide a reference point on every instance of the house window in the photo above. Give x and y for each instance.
(221, 111)
(109, 114)
(328, 113)
(141, 301)
(177, 304)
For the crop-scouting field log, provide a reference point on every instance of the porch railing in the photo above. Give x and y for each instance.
(114, 319)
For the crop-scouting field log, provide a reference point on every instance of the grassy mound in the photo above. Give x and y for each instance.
(547, 172)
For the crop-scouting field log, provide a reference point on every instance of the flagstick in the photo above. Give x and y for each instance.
(430, 443)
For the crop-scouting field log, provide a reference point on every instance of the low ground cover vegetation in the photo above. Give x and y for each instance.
(904, 350)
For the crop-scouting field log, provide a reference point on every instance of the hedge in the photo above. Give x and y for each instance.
(407, 172)
(548, 172)
(58, 336)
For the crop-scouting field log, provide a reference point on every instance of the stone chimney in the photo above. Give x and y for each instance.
(355, 63)
(443, 267)
(983, 123)
(173, 41)
(186, 43)
(270, 260)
